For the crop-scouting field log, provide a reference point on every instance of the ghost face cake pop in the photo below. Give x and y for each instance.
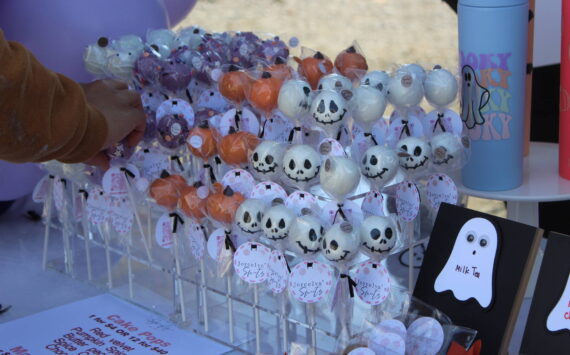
(414, 154)
(340, 176)
(276, 222)
(266, 160)
(379, 165)
(305, 236)
(378, 235)
(340, 243)
(301, 165)
(249, 216)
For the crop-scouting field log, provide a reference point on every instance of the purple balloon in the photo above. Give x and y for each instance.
(58, 31)
(178, 9)
(17, 180)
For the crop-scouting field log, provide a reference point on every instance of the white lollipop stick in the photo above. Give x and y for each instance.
(86, 234)
(176, 220)
(137, 217)
(105, 237)
(48, 208)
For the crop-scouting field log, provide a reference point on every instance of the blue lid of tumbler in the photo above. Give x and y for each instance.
(492, 3)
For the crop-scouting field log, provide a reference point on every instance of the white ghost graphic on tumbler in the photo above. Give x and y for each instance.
(473, 98)
(559, 317)
(469, 270)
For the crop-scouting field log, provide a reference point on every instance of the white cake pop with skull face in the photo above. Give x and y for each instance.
(415, 155)
(379, 165)
(328, 111)
(266, 160)
(305, 236)
(276, 223)
(340, 243)
(249, 215)
(378, 236)
(301, 166)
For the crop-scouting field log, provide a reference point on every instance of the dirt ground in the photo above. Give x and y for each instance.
(389, 32)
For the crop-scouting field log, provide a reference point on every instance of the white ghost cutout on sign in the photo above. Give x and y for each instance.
(559, 317)
(469, 270)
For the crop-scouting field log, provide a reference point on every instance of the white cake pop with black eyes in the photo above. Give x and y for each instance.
(276, 222)
(377, 79)
(379, 165)
(334, 82)
(367, 106)
(266, 160)
(301, 165)
(305, 236)
(339, 177)
(340, 243)
(294, 99)
(96, 57)
(378, 235)
(449, 151)
(405, 90)
(440, 87)
(415, 155)
(126, 51)
(328, 111)
(249, 215)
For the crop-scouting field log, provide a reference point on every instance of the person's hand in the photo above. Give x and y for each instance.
(123, 112)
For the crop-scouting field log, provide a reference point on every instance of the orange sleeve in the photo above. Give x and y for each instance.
(43, 115)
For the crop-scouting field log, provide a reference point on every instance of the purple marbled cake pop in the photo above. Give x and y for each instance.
(175, 75)
(172, 131)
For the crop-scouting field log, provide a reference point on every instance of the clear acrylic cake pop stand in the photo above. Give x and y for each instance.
(172, 283)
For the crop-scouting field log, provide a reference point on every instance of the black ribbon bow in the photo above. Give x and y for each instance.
(177, 159)
(339, 211)
(237, 118)
(351, 284)
(175, 220)
(211, 170)
(228, 241)
(439, 122)
(292, 133)
(405, 128)
(371, 137)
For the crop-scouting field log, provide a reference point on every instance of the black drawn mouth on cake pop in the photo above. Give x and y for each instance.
(307, 250)
(376, 250)
(246, 230)
(307, 179)
(346, 252)
(376, 176)
(418, 165)
(443, 161)
(270, 170)
(278, 237)
(328, 116)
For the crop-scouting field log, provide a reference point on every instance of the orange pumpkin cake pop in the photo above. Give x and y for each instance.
(233, 84)
(264, 92)
(222, 205)
(234, 148)
(314, 68)
(350, 63)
